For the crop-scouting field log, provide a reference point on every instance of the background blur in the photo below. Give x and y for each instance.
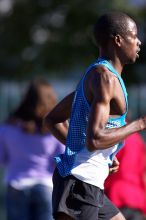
(53, 39)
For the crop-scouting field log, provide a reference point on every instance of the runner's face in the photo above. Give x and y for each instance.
(131, 43)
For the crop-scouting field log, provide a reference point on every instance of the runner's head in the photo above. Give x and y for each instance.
(119, 31)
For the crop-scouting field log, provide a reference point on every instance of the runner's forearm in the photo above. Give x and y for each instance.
(106, 138)
(58, 130)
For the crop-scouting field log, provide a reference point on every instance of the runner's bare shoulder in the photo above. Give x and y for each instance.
(101, 75)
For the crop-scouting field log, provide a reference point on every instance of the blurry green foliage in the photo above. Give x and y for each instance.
(47, 36)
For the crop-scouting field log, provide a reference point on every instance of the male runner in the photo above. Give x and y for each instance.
(97, 111)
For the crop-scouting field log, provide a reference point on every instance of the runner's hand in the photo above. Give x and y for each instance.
(115, 166)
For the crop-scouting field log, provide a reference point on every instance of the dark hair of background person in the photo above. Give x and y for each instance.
(26, 113)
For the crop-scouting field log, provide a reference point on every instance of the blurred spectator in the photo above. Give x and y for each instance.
(127, 188)
(27, 150)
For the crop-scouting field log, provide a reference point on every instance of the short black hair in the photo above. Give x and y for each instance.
(110, 24)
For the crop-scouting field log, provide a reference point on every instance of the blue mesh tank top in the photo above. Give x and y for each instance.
(75, 154)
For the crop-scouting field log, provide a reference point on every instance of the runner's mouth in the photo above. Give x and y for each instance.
(137, 52)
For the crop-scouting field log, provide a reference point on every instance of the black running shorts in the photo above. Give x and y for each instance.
(80, 200)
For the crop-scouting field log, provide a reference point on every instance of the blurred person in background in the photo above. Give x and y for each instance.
(127, 187)
(26, 151)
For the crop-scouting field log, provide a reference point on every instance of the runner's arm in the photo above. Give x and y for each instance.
(56, 120)
(98, 136)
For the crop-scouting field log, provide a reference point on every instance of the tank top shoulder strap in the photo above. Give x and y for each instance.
(105, 63)
(113, 70)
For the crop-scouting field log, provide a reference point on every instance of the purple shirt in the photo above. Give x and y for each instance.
(27, 155)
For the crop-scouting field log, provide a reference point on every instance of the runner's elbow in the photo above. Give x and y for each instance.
(93, 144)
